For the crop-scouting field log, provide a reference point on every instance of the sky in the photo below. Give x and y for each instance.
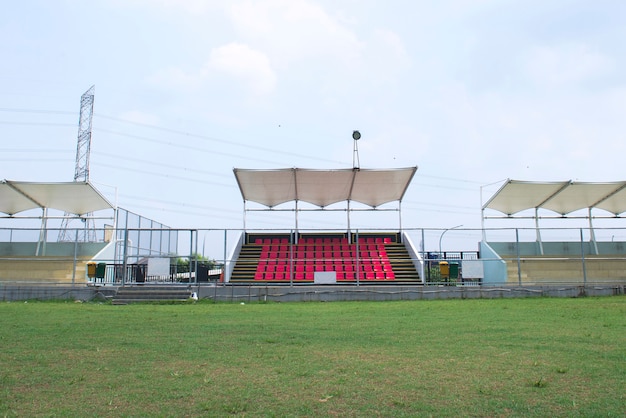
(471, 91)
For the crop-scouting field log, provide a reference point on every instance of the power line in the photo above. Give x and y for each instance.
(45, 160)
(41, 111)
(52, 124)
(450, 179)
(218, 140)
(152, 173)
(188, 147)
(197, 136)
(151, 162)
(45, 150)
(172, 203)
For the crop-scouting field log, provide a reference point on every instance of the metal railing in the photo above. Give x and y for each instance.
(508, 256)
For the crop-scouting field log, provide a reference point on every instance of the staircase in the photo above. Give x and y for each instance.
(246, 263)
(143, 294)
(401, 263)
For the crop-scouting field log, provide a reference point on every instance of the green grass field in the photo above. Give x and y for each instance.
(504, 357)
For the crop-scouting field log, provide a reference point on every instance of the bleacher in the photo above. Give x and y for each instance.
(274, 259)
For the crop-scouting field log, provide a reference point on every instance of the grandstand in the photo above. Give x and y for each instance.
(561, 261)
(133, 250)
(317, 257)
(374, 258)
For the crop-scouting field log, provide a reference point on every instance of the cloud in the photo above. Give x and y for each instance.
(247, 65)
(294, 31)
(232, 64)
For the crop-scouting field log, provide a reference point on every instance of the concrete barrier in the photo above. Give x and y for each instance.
(318, 293)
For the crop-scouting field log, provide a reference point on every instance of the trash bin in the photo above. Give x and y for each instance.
(140, 273)
(101, 270)
(202, 273)
(444, 270)
(454, 271)
(91, 269)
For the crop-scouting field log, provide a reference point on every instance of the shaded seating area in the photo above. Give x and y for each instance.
(368, 259)
(322, 258)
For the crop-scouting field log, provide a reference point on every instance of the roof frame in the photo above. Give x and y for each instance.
(563, 197)
(79, 198)
(371, 187)
(322, 188)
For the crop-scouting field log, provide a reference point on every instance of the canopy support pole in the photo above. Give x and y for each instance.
(245, 211)
(592, 234)
(297, 217)
(538, 231)
(348, 216)
(482, 221)
(43, 233)
(400, 220)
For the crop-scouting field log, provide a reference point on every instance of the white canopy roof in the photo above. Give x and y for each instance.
(560, 197)
(78, 198)
(372, 187)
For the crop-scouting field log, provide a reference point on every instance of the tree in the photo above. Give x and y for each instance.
(182, 264)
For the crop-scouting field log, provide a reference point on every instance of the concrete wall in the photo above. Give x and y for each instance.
(574, 249)
(494, 268)
(49, 270)
(53, 249)
(310, 293)
(57, 262)
(249, 294)
(15, 292)
(572, 270)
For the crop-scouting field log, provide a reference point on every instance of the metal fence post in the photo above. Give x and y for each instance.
(519, 265)
(225, 255)
(582, 254)
(124, 256)
(358, 258)
(75, 256)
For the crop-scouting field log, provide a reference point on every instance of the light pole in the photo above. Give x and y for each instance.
(444, 231)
